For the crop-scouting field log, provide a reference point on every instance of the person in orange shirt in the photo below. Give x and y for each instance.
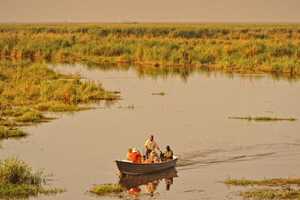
(129, 155)
(136, 156)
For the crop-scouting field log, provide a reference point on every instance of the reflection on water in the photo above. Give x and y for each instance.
(184, 73)
(148, 183)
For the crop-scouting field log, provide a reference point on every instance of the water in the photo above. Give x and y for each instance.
(79, 149)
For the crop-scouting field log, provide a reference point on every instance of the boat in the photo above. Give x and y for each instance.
(129, 168)
(132, 181)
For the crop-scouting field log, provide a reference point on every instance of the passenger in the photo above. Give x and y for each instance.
(150, 145)
(129, 155)
(168, 154)
(153, 157)
(136, 156)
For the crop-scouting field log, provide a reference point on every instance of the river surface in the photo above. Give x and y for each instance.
(192, 117)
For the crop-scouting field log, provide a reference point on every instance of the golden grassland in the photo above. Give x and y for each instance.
(248, 48)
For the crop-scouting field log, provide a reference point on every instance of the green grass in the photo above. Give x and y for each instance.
(6, 132)
(106, 189)
(18, 180)
(263, 118)
(248, 48)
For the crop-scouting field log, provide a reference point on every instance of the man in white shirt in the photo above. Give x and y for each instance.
(150, 145)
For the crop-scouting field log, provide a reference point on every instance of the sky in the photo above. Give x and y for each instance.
(150, 11)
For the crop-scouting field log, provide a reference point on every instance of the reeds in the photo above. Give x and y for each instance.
(240, 48)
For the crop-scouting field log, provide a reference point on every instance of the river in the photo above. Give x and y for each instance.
(192, 117)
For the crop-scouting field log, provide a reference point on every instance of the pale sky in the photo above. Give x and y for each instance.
(150, 10)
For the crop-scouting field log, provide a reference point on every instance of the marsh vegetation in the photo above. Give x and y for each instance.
(278, 188)
(27, 91)
(18, 180)
(264, 118)
(106, 189)
(230, 47)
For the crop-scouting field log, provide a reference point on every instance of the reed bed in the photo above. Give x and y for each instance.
(252, 48)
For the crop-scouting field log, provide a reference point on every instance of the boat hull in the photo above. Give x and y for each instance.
(130, 168)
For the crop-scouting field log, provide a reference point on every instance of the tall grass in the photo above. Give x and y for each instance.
(241, 48)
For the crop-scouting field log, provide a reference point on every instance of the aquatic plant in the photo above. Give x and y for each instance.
(105, 189)
(262, 118)
(17, 179)
(264, 182)
(6, 132)
(277, 188)
(29, 90)
(242, 48)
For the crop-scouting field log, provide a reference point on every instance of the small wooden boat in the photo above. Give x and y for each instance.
(127, 167)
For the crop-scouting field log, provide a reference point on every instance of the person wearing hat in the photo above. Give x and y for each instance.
(150, 145)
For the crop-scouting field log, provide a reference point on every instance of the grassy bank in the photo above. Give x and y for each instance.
(28, 91)
(18, 180)
(279, 188)
(272, 48)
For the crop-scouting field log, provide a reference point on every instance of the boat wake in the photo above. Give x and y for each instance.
(190, 160)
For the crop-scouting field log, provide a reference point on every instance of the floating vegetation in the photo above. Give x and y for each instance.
(264, 182)
(8, 132)
(18, 180)
(279, 188)
(269, 193)
(159, 93)
(106, 189)
(262, 118)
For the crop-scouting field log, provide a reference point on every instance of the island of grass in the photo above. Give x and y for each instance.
(278, 188)
(106, 189)
(18, 180)
(28, 91)
(242, 48)
(264, 118)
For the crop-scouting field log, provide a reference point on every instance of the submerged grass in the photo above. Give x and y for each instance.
(277, 188)
(18, 180)
(30, 90)
(106, 189)
(263, 118)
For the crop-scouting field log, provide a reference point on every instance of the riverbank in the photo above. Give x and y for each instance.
(249, 48)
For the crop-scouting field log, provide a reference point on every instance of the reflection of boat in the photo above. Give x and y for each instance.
(133, 181)
(130, 168)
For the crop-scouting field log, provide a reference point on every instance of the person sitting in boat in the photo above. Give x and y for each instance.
(129, 154)
(136, 156)
(150, 145)
(168, 154)
(153, 157)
